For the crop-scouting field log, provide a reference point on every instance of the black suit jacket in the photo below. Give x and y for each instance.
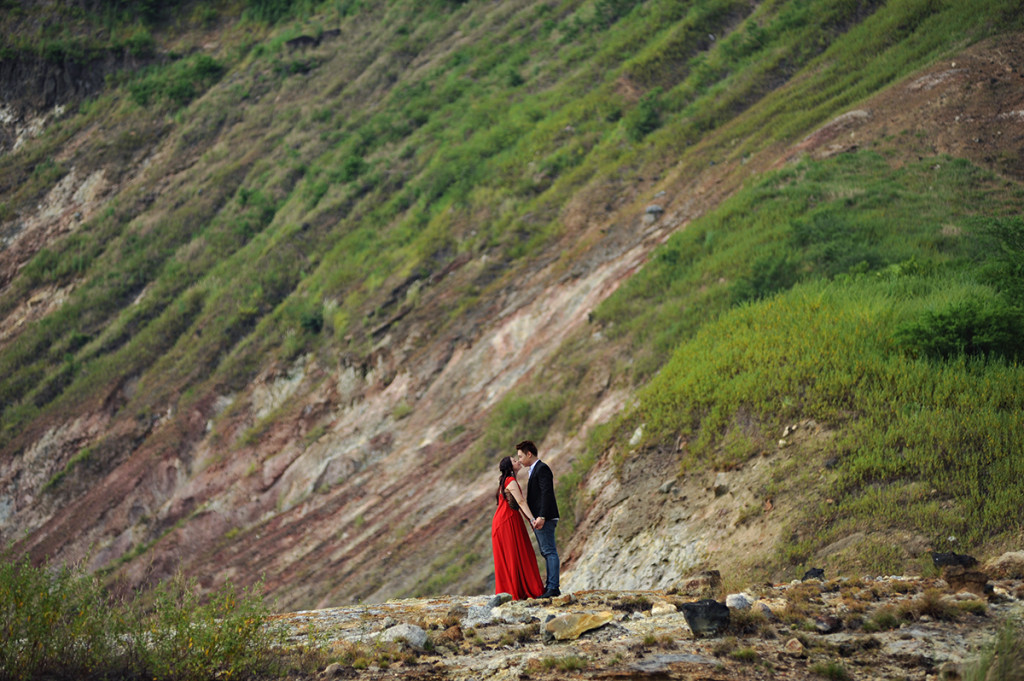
(540, 492)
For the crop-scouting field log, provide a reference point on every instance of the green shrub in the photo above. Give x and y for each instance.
(1002, 255)
(645, 117)
(60, 623)
(972, 328)
(831, 670)
(768, 275)
(178, 83)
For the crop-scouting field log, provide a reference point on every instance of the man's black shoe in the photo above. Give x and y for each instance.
(550, 593)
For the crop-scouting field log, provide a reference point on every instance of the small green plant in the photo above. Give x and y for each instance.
(830, 670)
(882, 619)
(745, 655)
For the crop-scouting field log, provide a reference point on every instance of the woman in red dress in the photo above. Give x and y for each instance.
(515, 563)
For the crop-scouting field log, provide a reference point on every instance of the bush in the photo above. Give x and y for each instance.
(60, 623)
(1003, 256)
(645, 118)
(972, 328)
(178, 83)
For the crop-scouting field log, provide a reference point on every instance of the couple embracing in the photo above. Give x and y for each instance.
(515, 565)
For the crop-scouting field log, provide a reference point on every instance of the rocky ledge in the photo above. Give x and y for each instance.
(892, 627)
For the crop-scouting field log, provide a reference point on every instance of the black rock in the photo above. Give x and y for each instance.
(942, 560)
(813, 573)
(706, 616)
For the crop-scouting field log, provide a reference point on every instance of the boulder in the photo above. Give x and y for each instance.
(706, 617)
(410, 633)
(813, 573)
(566, 627)
(663, 608)
(941, 560)
(794, 648)
(1007, 566)
(960, 578)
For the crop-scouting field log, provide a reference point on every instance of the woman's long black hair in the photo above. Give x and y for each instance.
(505, 466)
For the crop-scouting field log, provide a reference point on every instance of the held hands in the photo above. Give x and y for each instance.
(537, 523)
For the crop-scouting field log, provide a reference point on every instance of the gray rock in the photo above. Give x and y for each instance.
(654, 209)
(499, 599)
(410, 633)
(516, 612)
(478, 615)
(738, 601)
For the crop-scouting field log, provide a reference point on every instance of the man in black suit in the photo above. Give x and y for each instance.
(540, 496)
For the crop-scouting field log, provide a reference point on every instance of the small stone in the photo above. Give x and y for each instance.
(333, 670)
(563, 601)
(498, 599)
(654, 209)
(572, 626)
(740, 601)
(663, 608)
(794, 648)
(828, 624)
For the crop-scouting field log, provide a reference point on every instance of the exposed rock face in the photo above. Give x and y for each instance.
(33, 86)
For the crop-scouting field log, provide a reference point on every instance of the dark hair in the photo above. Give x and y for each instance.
(507, 471)
(527, 446)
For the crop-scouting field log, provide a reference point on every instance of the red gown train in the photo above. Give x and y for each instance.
(515, 563)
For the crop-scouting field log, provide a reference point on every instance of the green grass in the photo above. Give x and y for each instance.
(925, 442)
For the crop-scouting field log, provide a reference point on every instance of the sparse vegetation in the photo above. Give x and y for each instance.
(1002, 659)
(61, 623)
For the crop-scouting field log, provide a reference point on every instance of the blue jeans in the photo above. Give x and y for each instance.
(546, 542)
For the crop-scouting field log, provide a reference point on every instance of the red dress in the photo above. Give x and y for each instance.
(515, 563)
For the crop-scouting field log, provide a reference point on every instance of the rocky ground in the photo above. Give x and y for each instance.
(893, 627)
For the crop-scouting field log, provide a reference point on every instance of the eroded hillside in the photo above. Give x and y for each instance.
(263, 333)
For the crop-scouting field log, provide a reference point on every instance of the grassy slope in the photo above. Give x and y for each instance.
(298, 192)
